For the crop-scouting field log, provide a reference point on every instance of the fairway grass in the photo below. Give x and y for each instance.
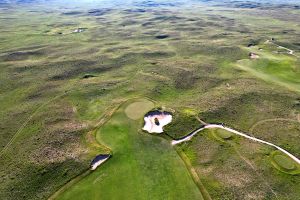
(142, 167)
(281, 70)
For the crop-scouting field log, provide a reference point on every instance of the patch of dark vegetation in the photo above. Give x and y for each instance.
(229, 53)
(253, 42)
(181, 125)
(236, 111)
(39, 182)
(74, 72)
(158, 54)
(22, 69)
(129, 22)
(99, 12)
(65, 24)
(86, 76)
(25, 1)
(185, 80)
(149, 3)
(288, 31)
(43, 91)
(137, 10)
(206, 83)
(162, 36)
(148, 24)
(21, 55)
(289, 45)
(247, 5)
(221, 35)
(115, 49)
(76, 68)
(73, 13)
(164, 18)
(27, 48)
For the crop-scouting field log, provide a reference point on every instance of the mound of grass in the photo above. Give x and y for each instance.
(284, 164)
(184, 122)
(222, 134)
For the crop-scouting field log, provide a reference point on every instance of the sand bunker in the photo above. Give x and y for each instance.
(156, 120)
(253, 56)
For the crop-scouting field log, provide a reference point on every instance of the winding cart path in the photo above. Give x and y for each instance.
(210, 126)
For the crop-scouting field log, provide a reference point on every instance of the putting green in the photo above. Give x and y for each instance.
(222, 134)
(284, 163)
(143, 166)
(138, 109)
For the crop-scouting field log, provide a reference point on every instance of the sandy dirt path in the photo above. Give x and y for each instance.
(211, 126)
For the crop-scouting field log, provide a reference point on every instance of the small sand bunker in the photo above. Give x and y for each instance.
(98, 160)
(156, 120)
(79, 30)
(253, 56)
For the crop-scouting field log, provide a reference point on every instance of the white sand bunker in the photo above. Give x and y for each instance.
(156, 120)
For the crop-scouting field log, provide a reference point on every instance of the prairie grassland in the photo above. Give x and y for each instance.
(55, 87)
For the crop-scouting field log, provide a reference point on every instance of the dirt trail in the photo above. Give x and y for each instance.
(290, 51)
(27, 121)
(259, 175)
(211, 126)
(272, 120)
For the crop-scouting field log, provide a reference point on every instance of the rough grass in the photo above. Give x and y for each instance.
(183, 123)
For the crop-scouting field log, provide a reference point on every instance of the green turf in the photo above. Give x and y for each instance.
(280, 69)
(142, 167)
(138, 109)
(222, 134)
(284, 163)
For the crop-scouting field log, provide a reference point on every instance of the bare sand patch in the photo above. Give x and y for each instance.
(156, 120)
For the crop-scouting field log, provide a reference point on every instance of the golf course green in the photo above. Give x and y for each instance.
(221, 134)
(143, 166)
(284, 163)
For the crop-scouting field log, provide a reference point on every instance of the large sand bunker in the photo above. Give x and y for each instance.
(156, 120)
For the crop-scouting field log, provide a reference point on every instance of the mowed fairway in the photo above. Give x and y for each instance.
(142, 167)
(282, 70)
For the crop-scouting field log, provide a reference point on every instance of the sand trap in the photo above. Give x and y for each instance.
(156, 120)
(136, 110)
(98, 160)
(253, 56)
